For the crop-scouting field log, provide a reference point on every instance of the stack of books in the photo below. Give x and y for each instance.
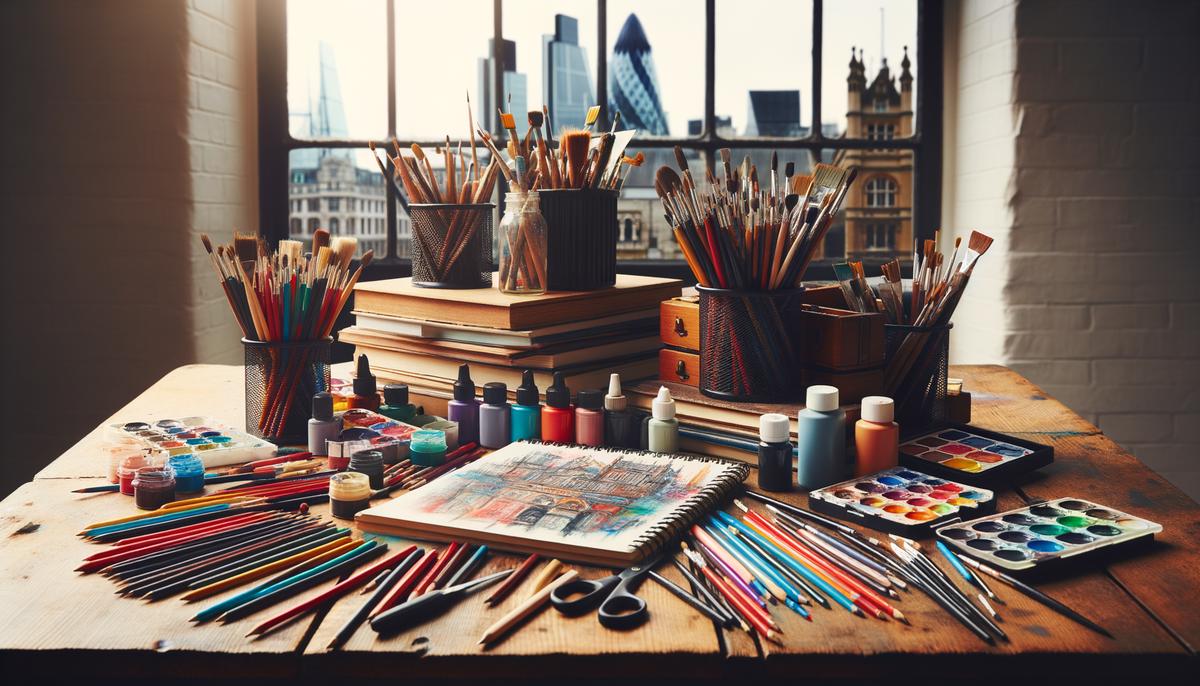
(420, 336)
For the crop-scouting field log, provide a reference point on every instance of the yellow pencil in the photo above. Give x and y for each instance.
(319, 554)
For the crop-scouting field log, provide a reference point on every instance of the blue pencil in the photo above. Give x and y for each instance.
(100, 531)
(752, 560)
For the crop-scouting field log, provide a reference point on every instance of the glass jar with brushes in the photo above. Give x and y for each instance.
(522, 245)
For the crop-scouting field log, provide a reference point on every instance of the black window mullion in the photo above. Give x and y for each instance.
(927, 158)
(817, 48)
(392, 219)
(602, 64)
(710, 72)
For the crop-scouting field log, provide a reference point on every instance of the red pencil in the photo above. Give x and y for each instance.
(513, 580)
(443, 560)
(748, 609)
(404, 586)
(121, 554)
(332, 594)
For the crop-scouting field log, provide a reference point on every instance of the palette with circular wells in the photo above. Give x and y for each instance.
(215, 444)
(902, 501)
(1056, 530)
(972, 455)
(365, 425)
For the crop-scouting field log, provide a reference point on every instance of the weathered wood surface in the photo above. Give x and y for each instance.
(51, 612)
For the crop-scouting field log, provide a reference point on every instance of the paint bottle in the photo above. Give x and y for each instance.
(464, 409)
(558, 417)
(349, 493)
(663, 429)
(494, 416)
(622, 428)
(322, 427)
(369, 462)
(589, 417)
(395, 403)
(876, 436)
(527, 413)
(189, 472)
(365, 394)
(427, 447)
(128, 469)
(821, 439)
(153, 487)
(774, 453)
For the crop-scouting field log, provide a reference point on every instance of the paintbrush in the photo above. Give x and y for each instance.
(593, 114)
(575, 146)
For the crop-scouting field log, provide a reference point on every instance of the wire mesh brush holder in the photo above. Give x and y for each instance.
(581, 242)
(452, 245)
(281, 379)
(747, 351)
(916, 371)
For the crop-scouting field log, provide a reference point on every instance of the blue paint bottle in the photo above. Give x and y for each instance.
(821, 440)
(526, 415)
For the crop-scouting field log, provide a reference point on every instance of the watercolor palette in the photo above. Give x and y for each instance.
(1044, 532)
(902, 501)
(215, 444)
(383, 433)
(972, 455)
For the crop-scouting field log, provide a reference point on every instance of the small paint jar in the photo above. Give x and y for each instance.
(447, 427)
(117, 454)
(129, 467)
(189, 473)
(153, 487)
(369, 462)
(349, 493)
(428, 447)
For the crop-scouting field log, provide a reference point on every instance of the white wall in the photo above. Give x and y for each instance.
(1077, 145)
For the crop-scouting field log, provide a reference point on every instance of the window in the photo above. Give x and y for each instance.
(313, 225)
(881, 237)
(296, 228)
(332, 78)
(880, 192)
(333, 225)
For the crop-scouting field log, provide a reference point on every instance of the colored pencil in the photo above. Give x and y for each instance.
(403, 588)
(513, 581)
(526, 609)
(384, 586)
(694, 602)
(1036, 595)
(468, 568)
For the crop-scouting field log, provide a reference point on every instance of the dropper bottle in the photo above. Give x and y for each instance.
(464, 408)
(621, 426)
(663, 428)
(527, 412)
(558, 416)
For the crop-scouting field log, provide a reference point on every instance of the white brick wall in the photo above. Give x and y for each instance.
(1095, 215)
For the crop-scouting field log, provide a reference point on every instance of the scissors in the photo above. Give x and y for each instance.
(619, 607)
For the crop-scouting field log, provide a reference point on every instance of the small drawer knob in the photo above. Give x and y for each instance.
(680, 329)
(681, 370)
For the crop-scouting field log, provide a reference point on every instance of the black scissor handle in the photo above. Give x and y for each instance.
(622, 610)
(590, 592)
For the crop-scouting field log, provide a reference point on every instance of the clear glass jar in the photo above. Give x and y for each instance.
(522, 245)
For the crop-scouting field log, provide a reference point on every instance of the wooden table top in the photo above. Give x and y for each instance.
(50, 612)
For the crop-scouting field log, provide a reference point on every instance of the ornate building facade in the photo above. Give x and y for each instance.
(878, 207)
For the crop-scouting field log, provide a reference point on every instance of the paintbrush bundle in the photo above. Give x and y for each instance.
(286, 302)
(741, 234)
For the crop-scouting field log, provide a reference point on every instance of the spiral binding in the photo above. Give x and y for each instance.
(656, 538)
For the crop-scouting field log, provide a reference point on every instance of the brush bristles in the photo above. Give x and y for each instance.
(536, 118)
(575, 145)
(680, 159)
(507, 120)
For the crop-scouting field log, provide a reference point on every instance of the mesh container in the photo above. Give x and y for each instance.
(581, 238)
(746, 344)
(452, 245)
(917, 364)
(281, 379)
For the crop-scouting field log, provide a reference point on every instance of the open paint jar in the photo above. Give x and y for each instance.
(118, 453)
(153, 487)
(428, 447)
(189, 473)
(128, 469)
(349, 493)
(370, 463)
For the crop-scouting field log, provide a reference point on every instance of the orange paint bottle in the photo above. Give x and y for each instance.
(876, 436)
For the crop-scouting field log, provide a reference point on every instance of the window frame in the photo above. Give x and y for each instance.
(275, 141)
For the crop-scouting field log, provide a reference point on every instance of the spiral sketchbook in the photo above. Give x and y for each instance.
(593, 505)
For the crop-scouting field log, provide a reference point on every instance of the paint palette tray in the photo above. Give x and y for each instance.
(216, 444)
(902, 501)
(973, 456)
(1046, 532)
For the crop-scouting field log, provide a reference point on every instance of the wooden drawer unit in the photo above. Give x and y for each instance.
(679, 323)
(840, 339)
(679, 366)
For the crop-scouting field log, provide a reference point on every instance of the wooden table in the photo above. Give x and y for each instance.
(55, 620)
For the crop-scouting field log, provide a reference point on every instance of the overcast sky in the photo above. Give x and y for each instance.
(761, 44)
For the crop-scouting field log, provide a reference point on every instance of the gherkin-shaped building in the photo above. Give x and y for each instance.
(632, 83)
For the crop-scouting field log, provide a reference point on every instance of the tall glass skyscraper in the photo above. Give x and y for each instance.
(633, 84)
(514, 88)
(567, 85)
(326, 115)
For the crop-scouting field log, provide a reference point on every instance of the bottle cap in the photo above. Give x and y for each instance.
(428, 441)
(877, 408)
(663, 406)
(590, 399)
(615, 401)
(395, 394)
(773, 428)
(495, 393)
(364, 380)
(322, 407)
(527, 392)
(558, 395)
(464, 387)
(822, 398)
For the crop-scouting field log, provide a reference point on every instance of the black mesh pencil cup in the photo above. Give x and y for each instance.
(746, 344)
(916, 370)
(281, 379)
(452, 245)
(581, 238)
